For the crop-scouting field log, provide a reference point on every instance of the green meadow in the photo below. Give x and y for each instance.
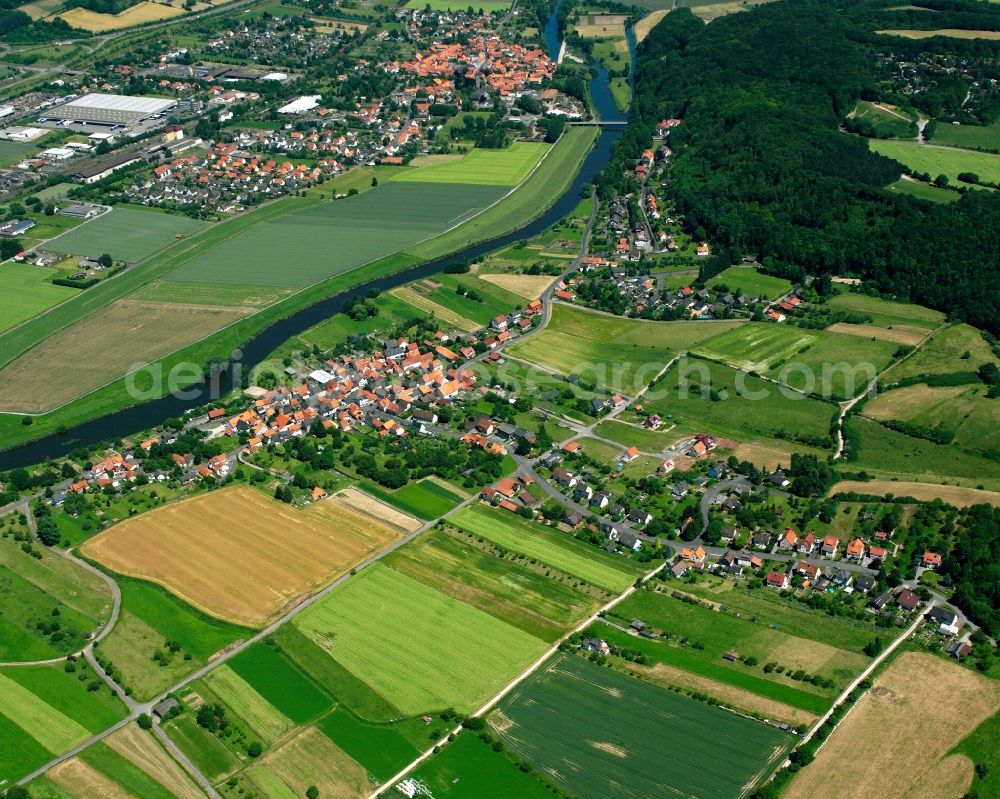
(424, 499)
(411, 643)
(27, 292)
(752, 282)
(936, 160)
(506, 167)
(559, 550)
(986, 137)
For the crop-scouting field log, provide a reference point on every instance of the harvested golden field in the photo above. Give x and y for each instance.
(905, 403)
(334, 25)
(144, 751)
(528, 286)
(609, 30)
(313, 759)
(84, 782)
(730, 695)
(954, 33)
(135, 15)
(954, 495)
(645, 25)
(898, 334)
(101, 348)
(237, 554)
(763, 455)
(895, 736)
(40, 8)
(367, 505)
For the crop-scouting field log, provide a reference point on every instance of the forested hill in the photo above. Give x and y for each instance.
(761, 167)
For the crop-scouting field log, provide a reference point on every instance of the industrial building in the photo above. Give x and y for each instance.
(114, 111)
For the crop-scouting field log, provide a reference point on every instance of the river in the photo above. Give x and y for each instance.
(148, 414)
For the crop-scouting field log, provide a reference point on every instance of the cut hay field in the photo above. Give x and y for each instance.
(31, 589)
(559, 550)
(923, 191)
(236, 693)
(237, 554)
(327, 239)
(369, 506)
(752, 282)
(954, 33)
(424, 499)
(414, 644)
(310, 758)
(144, 751)
(468, 768)
(126, 234)
(827, 364)
(925, 492)
(749, 409)
(645, 25)
(417, 297)
(529, 287)
(126, 334)
(935, 160)
(516, 594)
(134, 15)
(506, 167)
(600, 733)
(27, 292)
(111, 768)
(911, 335)
(614, 352)
(882, 723)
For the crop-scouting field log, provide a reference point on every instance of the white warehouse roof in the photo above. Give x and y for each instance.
(111, 108)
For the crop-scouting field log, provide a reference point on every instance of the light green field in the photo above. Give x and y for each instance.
(506, 167)
(52, 729)
(227, 294)
(26, 292)
(885, 313)
(424, 650)
(887, 120)
(923, 191)
(935, 160)
(831, 365)
(260, 714)
(952, 33)
(750, 281)
(985, 137)
(559, 550)
(612, 351)
(943, 354)
(126, 234)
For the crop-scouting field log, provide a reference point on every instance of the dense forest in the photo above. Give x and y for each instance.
(761, 165)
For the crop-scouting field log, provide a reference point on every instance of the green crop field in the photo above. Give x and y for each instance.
(206, 751)
(281, 683)
(559, 550)
(255, 710)
(67, 694)
(151, 615)
(55, 731)
(492, 301)
(318, 242)
(506, 167)
(748, 408)
(350, 691)
(511, 592)
(380, 748)
(424, 499)
(935, 160)
(126, 234)
(599, 733)
(468, 768)
(418, 646)
(27, 292)
(617, 353)
(886, 453)
(20, 752)
(752, 282)
(986, 137)
(31, 589)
